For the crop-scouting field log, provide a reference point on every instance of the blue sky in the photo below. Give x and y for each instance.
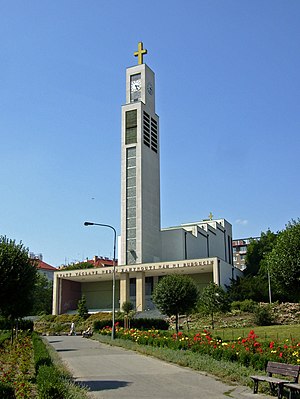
(227, 94)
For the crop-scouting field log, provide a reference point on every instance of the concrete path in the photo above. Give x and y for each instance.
(113, 372)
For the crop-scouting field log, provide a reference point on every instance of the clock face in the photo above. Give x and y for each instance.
(135, 85)
(149, 88)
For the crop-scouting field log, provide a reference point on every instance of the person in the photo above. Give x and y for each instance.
(88, 332)
(72, 329)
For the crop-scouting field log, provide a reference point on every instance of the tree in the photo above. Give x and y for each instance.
(255, 283)
(257, 251)
(43, 292)
(82, 308)
(175, 294)
(213, 300)
(80, 265)
(18, 277)
(249, 287)
(127, 307)
(284, 263)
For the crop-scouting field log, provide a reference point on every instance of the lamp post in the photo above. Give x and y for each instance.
(269, 285)
(114, 272)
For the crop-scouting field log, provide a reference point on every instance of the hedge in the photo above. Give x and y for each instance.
(41, 354)
(22, 324)
(141, 324)
(50, 384)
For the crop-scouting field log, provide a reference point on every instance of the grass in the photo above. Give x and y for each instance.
(265, 333)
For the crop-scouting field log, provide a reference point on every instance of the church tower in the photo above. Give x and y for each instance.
(140, 169)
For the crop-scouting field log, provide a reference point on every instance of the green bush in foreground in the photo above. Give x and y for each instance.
(6, 391)
(50, 384)
(41, 354)
(53, 381)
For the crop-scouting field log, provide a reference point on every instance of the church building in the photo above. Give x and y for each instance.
(146, 252)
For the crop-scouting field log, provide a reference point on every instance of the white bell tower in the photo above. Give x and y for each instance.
(140, 170)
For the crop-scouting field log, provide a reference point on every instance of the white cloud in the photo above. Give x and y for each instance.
(242, 222)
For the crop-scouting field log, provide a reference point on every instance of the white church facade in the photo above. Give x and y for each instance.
(147, 252)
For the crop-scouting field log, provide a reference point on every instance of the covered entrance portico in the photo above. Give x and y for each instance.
(134, 283)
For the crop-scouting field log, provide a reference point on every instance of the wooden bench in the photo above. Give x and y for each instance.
(88, 333)
(292, 388)
(280, 369)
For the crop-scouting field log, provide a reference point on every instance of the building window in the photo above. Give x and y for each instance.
(132, 287)
(131, 205)
(150, 132)
(131, 127)
(153, 135)
(148, 285)
(243, 248)
(146, 129)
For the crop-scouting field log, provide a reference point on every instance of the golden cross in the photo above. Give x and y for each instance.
(140, 53)
(210, 216)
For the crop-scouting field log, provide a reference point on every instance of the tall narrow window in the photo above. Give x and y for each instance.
(131, 205)
(131, 127)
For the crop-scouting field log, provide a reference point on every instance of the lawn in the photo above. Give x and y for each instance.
(268, 333)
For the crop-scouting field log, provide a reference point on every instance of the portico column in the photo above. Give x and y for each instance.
(124, 288)
(140, 291)
(56, 300)
(216, 271)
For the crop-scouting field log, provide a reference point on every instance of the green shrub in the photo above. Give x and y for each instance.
(141, 324)
(146, 324)
(82, 309)
(245, 358)
(259, 361)
(41, 355)
(6, 391)
(25, 325)
(47, 317)
(5, 324)
(3, 337)
(263, 316)
(248, 305)
(49, 383)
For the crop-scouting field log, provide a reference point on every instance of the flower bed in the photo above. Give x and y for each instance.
(16, 366)
(249, 351)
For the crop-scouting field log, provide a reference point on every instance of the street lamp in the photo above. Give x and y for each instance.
(114, 272)
(269, 285)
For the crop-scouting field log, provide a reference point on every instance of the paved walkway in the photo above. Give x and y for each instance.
(113, 372)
